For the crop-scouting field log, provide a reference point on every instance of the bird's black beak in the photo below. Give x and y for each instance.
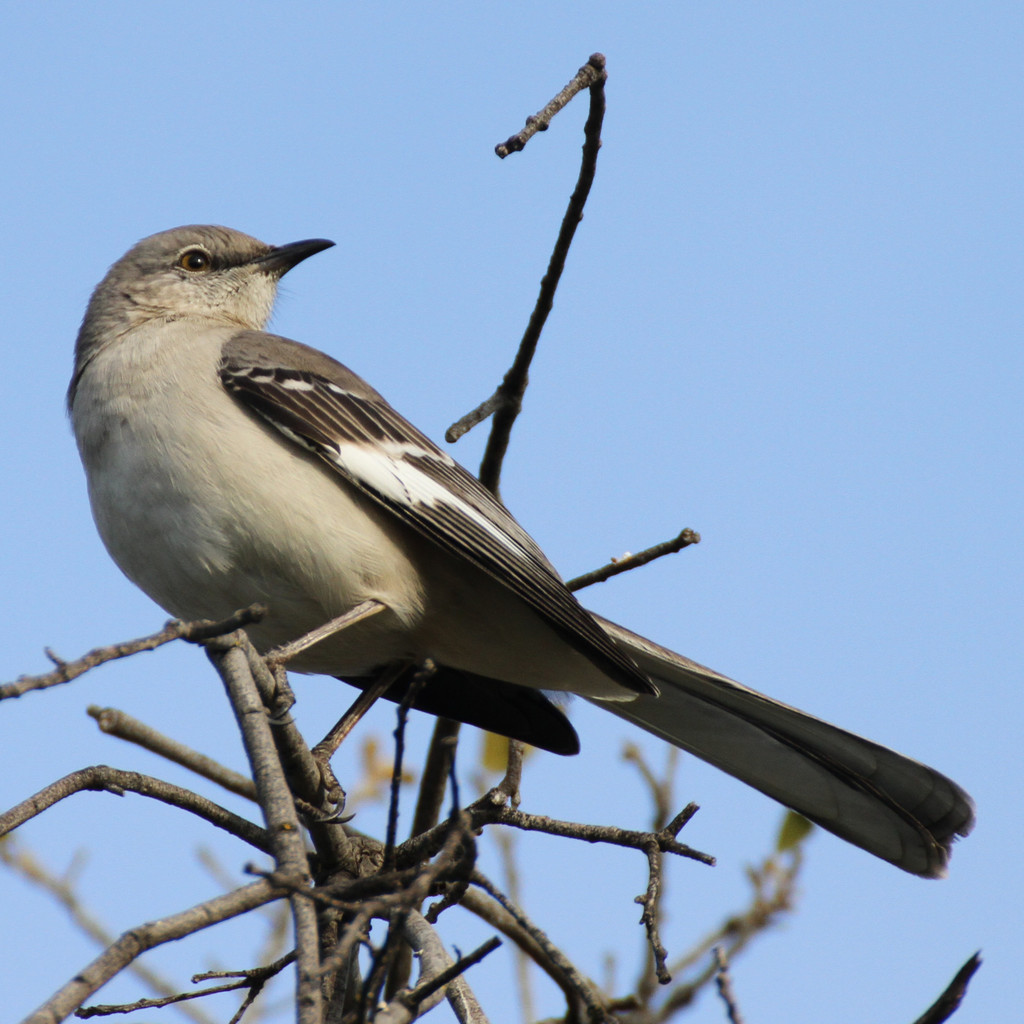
(282, 258)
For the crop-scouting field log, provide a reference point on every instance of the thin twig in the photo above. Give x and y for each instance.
(506, 402)
(649, 918)
(435, 775)
(493, 913)
(661, 794)
(436, 973)
(514, 385)
(22, 861)
(434, 781)
(419, 680)
(506, 840)
(101, 778)
(379, 895)
(508, 788)
(135, 942)
(774, 884)
(118, 723)
(585, 78)
(194, 632)
(627, 562)
(723, 980)
(490, 809)
(108, 1009)
(601, 834)
(421, 991)
(580, 986)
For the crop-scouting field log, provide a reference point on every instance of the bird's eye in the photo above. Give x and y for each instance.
(195, 260)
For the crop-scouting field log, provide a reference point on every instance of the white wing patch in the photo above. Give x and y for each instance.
(389, 469)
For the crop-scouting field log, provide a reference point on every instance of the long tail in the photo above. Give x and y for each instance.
(885, 803)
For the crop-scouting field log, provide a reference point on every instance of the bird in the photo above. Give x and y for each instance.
(227, 465)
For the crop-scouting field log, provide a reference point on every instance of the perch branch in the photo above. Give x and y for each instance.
(194, 632)
(275, 800)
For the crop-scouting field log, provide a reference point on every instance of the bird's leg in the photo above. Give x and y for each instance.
(277, 657)
(324, 750)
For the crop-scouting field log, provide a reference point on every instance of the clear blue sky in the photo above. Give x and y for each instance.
(791, 321)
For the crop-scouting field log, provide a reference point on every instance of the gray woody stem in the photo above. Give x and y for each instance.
(279, 812)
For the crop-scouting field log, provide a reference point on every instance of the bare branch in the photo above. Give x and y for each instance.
(449, 975)
(495, 914)
(508, 788)
(435, 775)
(118, 723)
(490, 809)
(433, 783)
(419, 679)
(135, 942)
(774, 885)
(275, 800)
(507, 399)
(664, 840)
(194, 632)
(436, 972)
(627, 562)
(587, 76)
(724, 983)
(253, 980)
(24, 863)
(649, 918)
(464, 424)
(574, 983)
(506, 841)
(335, 848)
(104, 779)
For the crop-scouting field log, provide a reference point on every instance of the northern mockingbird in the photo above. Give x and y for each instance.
(227, 465)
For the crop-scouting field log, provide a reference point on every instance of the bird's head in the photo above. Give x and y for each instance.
(201, 272)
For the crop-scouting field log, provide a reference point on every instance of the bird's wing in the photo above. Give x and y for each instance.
(891, 806)
(321, 405)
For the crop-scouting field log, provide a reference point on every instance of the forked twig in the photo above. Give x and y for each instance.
(506, 401)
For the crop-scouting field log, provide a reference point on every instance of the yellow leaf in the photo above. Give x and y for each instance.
(494, 753)
(794, 830)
